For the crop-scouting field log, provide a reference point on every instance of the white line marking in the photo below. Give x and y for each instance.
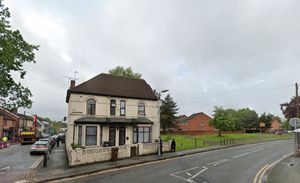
(257, 150)
(185, 170)
(5, 168)
(188, 174)
(35, 164)
(215, 163)
(190, 179)
(240, 155)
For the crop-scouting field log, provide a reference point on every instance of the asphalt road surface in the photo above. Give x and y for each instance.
(15, 161)
(233, 165)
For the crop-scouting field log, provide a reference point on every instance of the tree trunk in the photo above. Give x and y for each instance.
(219, 133)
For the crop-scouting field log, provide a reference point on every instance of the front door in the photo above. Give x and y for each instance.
(122, 135)
(112, 136)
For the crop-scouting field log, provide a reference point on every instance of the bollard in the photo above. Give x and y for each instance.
(45, 160)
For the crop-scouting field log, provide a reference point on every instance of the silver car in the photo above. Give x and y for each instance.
(40, 147)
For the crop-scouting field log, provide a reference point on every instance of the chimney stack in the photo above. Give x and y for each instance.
(72, 84)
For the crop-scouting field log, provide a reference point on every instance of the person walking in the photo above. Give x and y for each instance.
(173, 145)
(161, 146)
(57, 141)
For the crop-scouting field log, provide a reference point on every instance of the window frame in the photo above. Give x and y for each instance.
(80, 135)
(92, 108)
(113, 108)
(137, 132)
(86, 135)
(141, 106)
(122, 108)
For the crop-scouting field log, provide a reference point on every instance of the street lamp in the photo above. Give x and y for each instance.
(160, 103)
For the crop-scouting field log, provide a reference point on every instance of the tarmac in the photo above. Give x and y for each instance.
(57, 168)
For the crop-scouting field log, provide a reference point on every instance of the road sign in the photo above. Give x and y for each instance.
(262, 124)
(294, 122)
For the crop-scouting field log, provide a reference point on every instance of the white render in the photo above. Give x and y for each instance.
(77, 109)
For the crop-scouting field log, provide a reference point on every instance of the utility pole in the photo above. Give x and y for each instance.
(297, 100)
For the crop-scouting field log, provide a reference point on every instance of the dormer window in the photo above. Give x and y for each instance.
(90, 107)
(141, 108)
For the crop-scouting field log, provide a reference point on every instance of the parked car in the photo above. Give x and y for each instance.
(51, 142)
(40, 147)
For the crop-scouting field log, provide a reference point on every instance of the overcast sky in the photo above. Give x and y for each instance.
(236, 54)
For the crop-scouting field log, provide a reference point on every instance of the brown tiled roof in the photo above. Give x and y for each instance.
(114, 86)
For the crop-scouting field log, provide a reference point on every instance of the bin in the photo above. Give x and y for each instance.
(114, 153)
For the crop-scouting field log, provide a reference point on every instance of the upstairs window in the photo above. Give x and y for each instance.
(122, 108)
(90, 107)
(113, 107)
(141, 109)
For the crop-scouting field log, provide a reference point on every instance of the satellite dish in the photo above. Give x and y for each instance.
(294, 122)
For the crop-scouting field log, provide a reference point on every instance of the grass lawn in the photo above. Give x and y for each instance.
(184, 142)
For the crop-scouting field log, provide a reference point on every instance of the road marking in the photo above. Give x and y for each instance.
(188, 174)
(37, 162)
(257, 150)
(240, 155)
(215, 163)
(190, 179)
(259, 172)
(191, 176)
(5, 168)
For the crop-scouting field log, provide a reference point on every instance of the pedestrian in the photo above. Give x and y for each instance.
(161, 146)
(173, 145)
(57, 141)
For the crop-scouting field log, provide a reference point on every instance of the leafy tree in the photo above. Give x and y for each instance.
(247, 118)
(224, 119)
(286, 125)
(14, 52)
(121, 71)
(266, 118)
(289, 109)
(168, 110)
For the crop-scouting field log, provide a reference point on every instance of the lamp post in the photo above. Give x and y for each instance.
(160, 103)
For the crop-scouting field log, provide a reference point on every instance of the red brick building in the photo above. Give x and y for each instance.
(9, 124)
(275, 124)
(195, 122)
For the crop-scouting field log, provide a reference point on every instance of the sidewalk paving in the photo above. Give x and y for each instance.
(58, 166)
(287, 171)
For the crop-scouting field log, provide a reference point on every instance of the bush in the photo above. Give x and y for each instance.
(74, 146)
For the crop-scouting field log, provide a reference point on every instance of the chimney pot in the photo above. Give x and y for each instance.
(72, 84)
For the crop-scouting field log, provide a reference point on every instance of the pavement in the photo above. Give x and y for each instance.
(58, 169)
(287, 171)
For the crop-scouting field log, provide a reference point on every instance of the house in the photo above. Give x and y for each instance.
(9, 124)
(195, 122)
(111, 111)
(275, 124)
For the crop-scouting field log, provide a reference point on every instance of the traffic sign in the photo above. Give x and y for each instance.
(294, 122)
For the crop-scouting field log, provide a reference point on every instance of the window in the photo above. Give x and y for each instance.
(113, 107)
(141, 108)
(91, 135)
(202, 123)
(90, 107)
(141, 134)
(122, 107)
(122, 135)
(80, 135)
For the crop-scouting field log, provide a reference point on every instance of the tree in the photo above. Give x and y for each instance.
(121, 71)
(289, 109)
(168, 110)
(14, 53)
(224, 119)
(286, 125)
(267, 119)
(247, 118)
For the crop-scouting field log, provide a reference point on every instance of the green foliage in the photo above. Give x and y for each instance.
(267, 119)
(286, 125)
(121, 71)
(168, 110)
(247, 118)
(230, 119)
(14, 52)
(224, 119)
(74, 146)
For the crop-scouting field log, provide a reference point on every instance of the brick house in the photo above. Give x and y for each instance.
(275, 124)
(195, 122)
(108, 112)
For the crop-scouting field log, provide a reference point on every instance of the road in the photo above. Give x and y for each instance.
(234, 165)
(15, 161)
